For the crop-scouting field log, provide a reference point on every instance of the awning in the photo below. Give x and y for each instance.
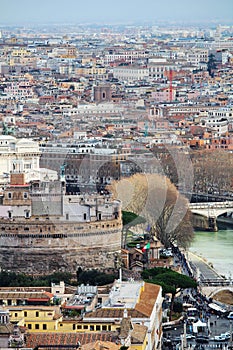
(77, 307)
(198, 324)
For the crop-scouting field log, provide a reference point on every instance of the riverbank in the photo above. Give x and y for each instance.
(215, 249)
(202, 266)
(194, 256)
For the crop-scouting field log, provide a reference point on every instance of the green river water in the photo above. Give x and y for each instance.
(216, 248)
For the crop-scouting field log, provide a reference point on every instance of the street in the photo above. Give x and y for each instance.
(216, 326)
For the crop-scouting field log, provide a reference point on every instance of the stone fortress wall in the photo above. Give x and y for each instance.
(43, 246)
(43, 230)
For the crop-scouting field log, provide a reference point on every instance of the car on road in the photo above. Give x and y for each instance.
(227, 335)
(190, 336)
(221, 337)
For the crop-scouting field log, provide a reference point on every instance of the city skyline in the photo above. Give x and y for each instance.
(103, 12)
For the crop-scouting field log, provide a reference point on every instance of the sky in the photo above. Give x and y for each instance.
(114, 11)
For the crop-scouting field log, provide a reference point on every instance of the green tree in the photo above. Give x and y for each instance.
(95, 277)
(131, 219)
(171, 281)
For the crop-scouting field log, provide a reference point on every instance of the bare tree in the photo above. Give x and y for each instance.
(157, 199)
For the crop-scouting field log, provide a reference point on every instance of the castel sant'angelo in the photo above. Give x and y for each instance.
(43, 229)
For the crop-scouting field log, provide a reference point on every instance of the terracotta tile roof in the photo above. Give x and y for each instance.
(25, 295)
(126, 327)
(37, 339)
(138, 334)
(114, 313)
(6, 328)
(50, 295)
(148, 298)
(100, 345)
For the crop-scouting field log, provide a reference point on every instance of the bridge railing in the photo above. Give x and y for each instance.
(215, 282)
(211, 205)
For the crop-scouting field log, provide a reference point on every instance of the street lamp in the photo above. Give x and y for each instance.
(230, 346)
(184, 338)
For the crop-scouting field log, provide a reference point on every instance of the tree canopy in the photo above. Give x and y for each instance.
(171, 281)
(12, 279)
(131, 219)
(94, 277)
(156, 199)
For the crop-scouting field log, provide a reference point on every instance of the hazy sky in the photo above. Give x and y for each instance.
(112, 11)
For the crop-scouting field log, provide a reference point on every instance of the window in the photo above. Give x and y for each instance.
(27, 214)
(37, 313)
(9, 195)
(44, 326)
(79, 327)
(37, 326)
(97, 328)
(29, 326)
(25, 314)
(27, 166)
(92, 328)
(25, 195)
(85, 327)
(16, 315)
(104, 328)
(9, 214)
(74, 326)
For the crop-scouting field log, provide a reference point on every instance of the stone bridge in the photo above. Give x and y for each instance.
(210, 291)
(209, 213)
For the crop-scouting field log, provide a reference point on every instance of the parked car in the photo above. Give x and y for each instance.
(230, 316)
(190, 336)
(227, 335)
(166, 252)
(221, 337)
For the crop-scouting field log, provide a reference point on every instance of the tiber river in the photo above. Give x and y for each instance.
(216, 248)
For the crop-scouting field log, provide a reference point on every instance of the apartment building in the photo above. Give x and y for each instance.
(130, 73)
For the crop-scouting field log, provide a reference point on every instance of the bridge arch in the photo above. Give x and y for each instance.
(205, 214)
(220, 289)
(212, 209)
(210, 291)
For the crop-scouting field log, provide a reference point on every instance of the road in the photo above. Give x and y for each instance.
(217, 326)
(206, 272)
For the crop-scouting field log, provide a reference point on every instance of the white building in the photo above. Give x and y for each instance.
(21, 155)
(140, 301)
(131, 73)
(218, 125)
(93, 109)
(125, 55)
